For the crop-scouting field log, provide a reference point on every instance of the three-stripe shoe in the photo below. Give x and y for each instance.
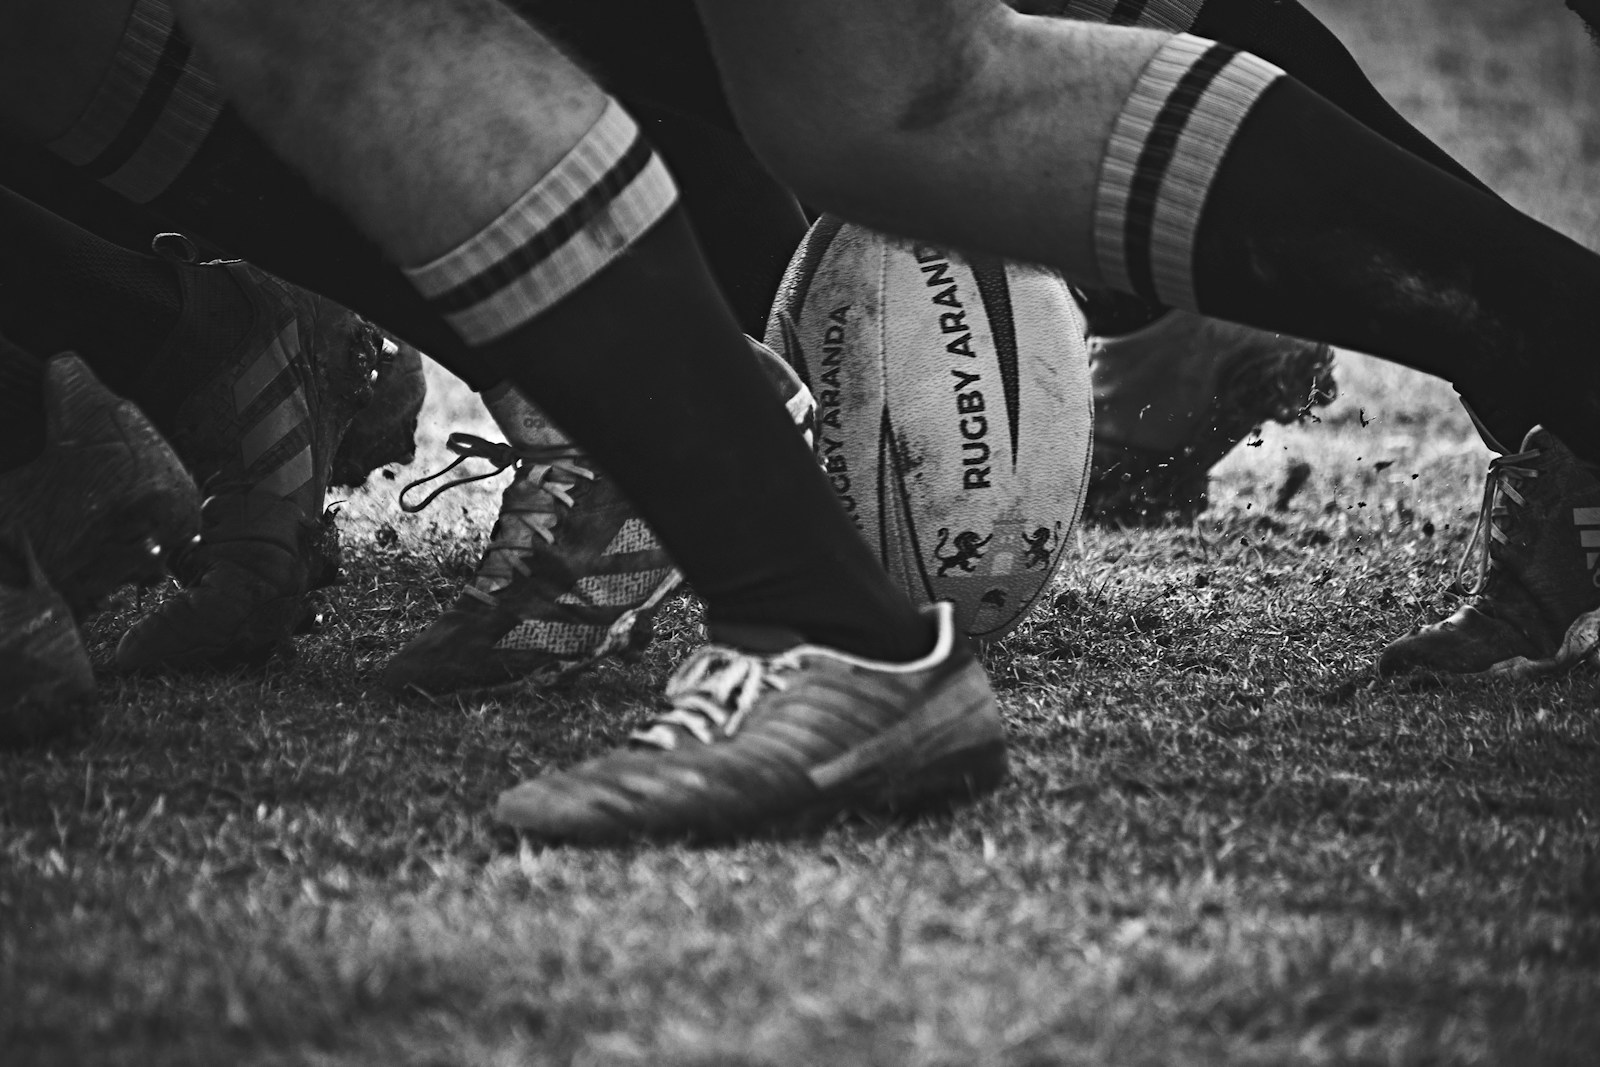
(1534, 604)
(255, 390)
(571, 573)
(755, 744)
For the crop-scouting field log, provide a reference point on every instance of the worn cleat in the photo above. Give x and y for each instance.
(385, 431)
(1534, 604)
(46, 684)
(268, 378)
(104, 490)
(244, 589)
(758, 743)
(571, 573)
(1175, 395)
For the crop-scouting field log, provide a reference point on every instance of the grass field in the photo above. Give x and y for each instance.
(1224, 842)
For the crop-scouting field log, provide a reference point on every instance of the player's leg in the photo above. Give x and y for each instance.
(1171, 167)
(251, 380)
(526, 207)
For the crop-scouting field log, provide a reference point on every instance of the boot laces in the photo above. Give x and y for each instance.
(531, 508)
(713, 692)
(1502, 495)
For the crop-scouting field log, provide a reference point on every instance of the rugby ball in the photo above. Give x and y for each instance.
(954, 411)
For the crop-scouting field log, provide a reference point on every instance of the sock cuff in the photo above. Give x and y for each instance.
(153, 109)
(605, 194)
(1176, 15)
(1165, 150)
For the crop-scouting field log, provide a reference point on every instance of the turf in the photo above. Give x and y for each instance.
(1224, 841)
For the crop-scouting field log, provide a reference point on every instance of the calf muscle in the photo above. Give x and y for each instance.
(422, 120)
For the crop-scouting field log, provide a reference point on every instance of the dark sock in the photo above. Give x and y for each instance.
(748, 225)
(62, 288)
(21, 406)
(705, 452)
(711, 462)
(1317, 226)
(1233, 190)
(1285, 33)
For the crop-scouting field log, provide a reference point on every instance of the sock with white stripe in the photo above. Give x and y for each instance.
(592, 279)
(1235, 191)
(150, 113)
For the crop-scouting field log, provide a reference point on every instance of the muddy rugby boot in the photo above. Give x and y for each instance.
(1176, 394)
(1534, 605)
(255, 389)
(758, 743)
(570, 574)
(106, 503)
(384, 432)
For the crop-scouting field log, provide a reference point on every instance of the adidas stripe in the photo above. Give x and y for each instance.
(1588, 522)
(1165, 150)
(602, 197)
(151, 112)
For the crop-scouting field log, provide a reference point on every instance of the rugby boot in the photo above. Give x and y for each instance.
(255, 388)
(570, 575)
(384, 432)
(107, 501)
(754, 744)
(1175, 395)
(1529, 573)
(46, 683)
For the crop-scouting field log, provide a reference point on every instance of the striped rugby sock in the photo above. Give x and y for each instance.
(150, 114)
(1165, 150)
(1233, 190)
(597, 201)
(589, 295)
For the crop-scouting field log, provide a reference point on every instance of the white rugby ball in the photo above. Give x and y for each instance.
(954, 413)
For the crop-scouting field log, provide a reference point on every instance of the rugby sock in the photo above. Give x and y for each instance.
(748, 225)
(1230, 189)
(698, 441)
(1283, 33)
(149, 115)
(62, 288)
(755, 528)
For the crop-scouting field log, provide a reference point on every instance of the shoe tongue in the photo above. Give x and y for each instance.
(757, 638)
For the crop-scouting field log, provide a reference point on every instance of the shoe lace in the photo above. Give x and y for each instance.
(713, 692)
(1501, 490)
(546, 477)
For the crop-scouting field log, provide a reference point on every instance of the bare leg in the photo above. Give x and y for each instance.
(1171, 167)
